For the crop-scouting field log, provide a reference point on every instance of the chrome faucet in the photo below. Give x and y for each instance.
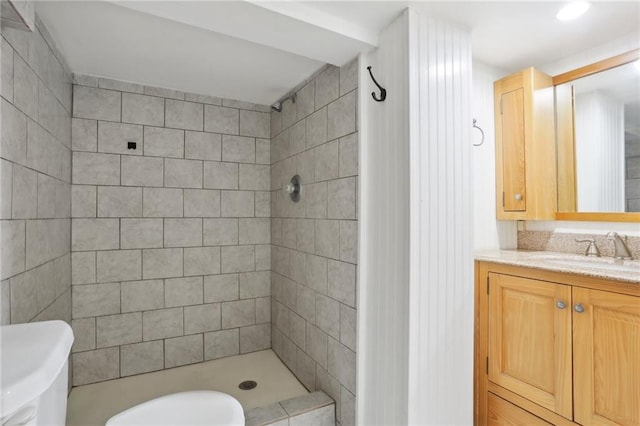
(621, 249)
(592, 249)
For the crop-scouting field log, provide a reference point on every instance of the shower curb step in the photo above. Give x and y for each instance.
(313, 408)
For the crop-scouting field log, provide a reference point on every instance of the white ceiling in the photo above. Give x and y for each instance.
(256, 51)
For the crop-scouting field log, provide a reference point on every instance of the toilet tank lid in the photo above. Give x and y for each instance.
(32, 355)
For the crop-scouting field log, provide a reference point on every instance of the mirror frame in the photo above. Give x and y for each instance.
(564, 132)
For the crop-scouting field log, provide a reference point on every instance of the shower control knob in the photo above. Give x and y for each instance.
(289, 188)
(293, 188)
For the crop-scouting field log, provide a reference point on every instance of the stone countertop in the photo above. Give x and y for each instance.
(603, 267)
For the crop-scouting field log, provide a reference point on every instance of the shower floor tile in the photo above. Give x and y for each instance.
(94, 404)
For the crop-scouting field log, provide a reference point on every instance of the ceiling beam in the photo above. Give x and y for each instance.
(288, 26)
(320, 19)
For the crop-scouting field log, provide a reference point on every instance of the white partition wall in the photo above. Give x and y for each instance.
(383, 325)
(441, 288)
(415, 312)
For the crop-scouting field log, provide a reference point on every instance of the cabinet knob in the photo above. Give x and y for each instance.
(578, 308)
(560, 304)
(518, 197)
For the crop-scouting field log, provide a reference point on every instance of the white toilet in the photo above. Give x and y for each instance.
(34, 373)
(34, 378)
(183, 408)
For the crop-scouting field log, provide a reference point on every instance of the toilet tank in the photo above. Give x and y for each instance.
(34, 373)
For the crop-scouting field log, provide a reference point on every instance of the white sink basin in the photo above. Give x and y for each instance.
(609, 264)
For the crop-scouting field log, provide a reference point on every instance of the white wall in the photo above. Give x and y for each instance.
(594, 54)
(488, 232)
(415, 315)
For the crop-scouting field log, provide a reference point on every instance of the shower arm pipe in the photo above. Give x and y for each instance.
(277, 106)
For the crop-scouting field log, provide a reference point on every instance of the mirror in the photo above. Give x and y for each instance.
(598, 135)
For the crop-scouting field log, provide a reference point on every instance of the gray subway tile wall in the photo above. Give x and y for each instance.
(142, 357)
(35, 168)
(171, 240)
(219, 344)
(314, 241)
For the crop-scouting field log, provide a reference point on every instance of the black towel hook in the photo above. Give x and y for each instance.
(383, 91)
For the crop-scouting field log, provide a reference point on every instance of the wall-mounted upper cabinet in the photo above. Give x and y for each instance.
(525, 147)
(19, 14)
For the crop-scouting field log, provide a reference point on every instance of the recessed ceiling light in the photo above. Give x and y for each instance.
(573, 10)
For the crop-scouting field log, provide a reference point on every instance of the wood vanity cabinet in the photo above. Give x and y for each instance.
(526, 183)
(555, 348)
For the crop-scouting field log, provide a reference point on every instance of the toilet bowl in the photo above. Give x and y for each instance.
(184, 408)
(33, 386)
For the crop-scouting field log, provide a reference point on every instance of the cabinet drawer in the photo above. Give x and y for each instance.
(501, 412)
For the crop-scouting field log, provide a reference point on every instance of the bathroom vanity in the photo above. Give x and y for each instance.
(557, 339)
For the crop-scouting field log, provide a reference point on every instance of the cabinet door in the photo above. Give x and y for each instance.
(513, 151)
(530, 340)
(606, 345)
(504, 413)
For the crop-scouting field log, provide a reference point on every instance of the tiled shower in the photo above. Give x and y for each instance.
(154, 221)
(170, 238)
